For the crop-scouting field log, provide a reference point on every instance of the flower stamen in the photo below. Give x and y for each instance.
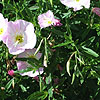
(1, 30)
(77, 0)
(19, 39)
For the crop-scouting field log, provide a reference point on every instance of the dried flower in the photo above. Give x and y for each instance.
(96, 10)
(57, 22)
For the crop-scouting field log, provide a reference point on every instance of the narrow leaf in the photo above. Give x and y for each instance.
(38, 95)
(90, 51)
(68, 64)
(8, 85)
(62, 44)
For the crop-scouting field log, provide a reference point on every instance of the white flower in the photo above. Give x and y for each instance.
(3, 27)
(20, 36)
(22, 65)
(76, 4)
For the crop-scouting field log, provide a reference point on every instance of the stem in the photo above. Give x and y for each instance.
(40, 82)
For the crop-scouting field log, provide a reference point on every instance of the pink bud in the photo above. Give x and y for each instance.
(57, 22)
(11, 72)
(36, 78)
(96, 10)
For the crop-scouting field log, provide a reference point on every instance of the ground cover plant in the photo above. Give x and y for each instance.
(49, 50)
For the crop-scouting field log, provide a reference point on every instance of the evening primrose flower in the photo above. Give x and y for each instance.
(20, 36)
(22, 65)
(76, 4)
(3, 27)
(47, 19)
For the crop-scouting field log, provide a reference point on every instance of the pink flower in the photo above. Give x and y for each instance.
(3, 27)
(76, 4)
(20, 36)
(96, 10)
(11, 72)
(47, 19)
(57, 22)
(23, 65)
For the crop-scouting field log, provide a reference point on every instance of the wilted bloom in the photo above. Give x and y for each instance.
(47, 19)
(76, 4)
(36, 78)
(59, 67)
(20, 36)
(56, 80)
(57, 22)
(96, 10)
(11, 72)
(3, 27)
(22, 65)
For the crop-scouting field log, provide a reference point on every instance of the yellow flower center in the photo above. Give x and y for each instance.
(19, 39)
(1, 30)
(77, 0)
(49, 22)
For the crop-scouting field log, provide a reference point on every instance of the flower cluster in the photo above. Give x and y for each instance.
(20, 38)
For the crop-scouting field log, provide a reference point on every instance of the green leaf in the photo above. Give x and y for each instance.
(50, 92)
(68, 63)
(33, 61)
(68, 67)
(73, 78)
(90, 51)
(38, 95)
(51, 2)
(25, 70)
(34, 8)
(8, 85)
(62, 44)
(46, 54)
(48, 79)
(23, 88)
(95, 74)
